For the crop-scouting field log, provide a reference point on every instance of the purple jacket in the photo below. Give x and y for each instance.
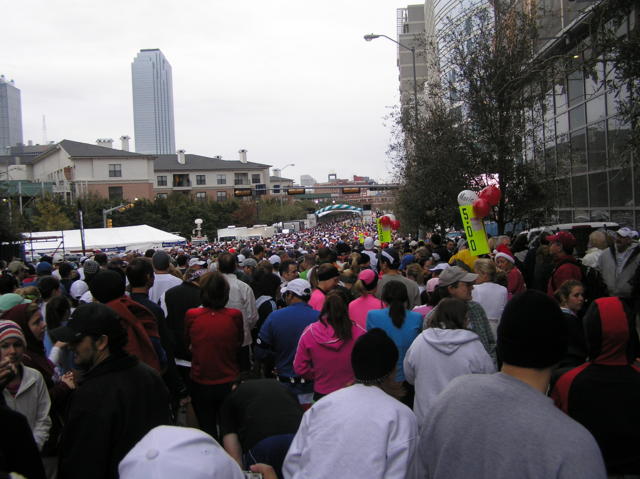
(324, 358)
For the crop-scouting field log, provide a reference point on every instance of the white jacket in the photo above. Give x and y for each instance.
(356, 432)
(241, 297)
(32, 401)
(436, 357)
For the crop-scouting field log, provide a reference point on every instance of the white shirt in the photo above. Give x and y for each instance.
(492, 297)
(161, 283)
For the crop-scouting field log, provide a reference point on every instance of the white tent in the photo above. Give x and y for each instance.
(124, 238)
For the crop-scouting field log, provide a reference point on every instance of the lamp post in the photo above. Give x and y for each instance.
(373, 36)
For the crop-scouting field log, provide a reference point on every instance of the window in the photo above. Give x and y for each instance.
(241, 179)
(115, 171)
(598, 189)
(255, 178)
(161, 196)
(115, 193)
(201, 195)
(221, 179)
(162, 181)
(201, 180)
(620, 186)
(578, 152)
(276, 189)
(579, 190)
(181, 181)
(576, 87)
(221, 196)
(596, 147)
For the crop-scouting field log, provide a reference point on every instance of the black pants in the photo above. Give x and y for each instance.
(207, 400)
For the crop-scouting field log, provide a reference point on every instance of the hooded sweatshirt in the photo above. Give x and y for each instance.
(603, 394)
(436, 357)
(324, 358)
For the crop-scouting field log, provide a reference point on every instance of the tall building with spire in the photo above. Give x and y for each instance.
(10, 115)
(153, 103)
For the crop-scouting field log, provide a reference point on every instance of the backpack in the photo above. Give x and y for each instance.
(594, 285)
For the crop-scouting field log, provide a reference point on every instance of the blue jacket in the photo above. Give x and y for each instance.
(402, 337)
(280, 334)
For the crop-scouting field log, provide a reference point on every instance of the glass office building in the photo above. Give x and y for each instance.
(581, 140)
(153, 103)
(10, 115)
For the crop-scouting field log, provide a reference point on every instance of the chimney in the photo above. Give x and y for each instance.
(106, 142)
(30, 143)
(243, 155)
(124, 142)
(181, 158)
(277, 172)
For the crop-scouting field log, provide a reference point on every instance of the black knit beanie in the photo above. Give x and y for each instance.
(532, 332)
(374, 357)
(107, 285)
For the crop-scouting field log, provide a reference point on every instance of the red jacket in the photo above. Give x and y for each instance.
(566, 268)
(215, 338)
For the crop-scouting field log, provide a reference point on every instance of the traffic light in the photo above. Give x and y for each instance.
(109, 223)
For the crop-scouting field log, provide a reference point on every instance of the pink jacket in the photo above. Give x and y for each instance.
(324, 358)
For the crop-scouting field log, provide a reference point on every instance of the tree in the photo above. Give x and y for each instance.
(499, 87)
(431, 169)
(49, 216)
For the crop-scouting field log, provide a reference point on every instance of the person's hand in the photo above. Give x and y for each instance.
(8, 371)
(264, 469)
(60, 344)
(69, 379)
(184, 401)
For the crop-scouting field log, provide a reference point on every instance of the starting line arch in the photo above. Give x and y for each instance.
(342, 208)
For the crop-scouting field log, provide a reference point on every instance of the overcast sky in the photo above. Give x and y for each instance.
(290, 81)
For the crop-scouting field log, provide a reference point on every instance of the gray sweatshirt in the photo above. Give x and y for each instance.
(436, 357)
(497, 427)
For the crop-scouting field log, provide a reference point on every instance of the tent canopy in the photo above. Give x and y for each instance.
(121, 239)
(338, 209)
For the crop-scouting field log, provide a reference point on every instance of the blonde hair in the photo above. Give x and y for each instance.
(485, 266)
(598, 239)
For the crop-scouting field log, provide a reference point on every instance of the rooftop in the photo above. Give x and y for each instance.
(199, 163)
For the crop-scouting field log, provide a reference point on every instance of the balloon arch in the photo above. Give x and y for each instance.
(327, 210)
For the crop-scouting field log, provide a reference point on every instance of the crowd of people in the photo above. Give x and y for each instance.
(325, 353)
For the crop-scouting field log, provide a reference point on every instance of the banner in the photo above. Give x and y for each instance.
(384, 234)
(474, 230)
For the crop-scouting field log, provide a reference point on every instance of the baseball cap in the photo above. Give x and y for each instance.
(171, 451)
(439, 267)
(626, 232)
(300, 287)
(367, 276)
(9, 300)
(453, 274)
(274, 259)
(196, 261)
(43, 268)
(89, 319)
(16, 266)
(391, 257)
(250, 262)
(566, 239)
(368, 242)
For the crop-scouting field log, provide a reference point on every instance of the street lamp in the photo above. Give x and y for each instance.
(373, 36)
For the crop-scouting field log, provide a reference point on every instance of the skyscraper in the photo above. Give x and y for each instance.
(153, 103)
(10, 115)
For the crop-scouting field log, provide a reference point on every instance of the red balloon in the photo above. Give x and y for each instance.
(395, 224)
(481, 208)
(491, 194)
(385, 221)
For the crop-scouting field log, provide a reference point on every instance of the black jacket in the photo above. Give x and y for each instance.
(18, 450)
(116, 404)
(178, 300)
(603, 394)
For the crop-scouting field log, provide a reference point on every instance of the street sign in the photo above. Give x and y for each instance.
(351, 191)
(242, 192)
(295, 191)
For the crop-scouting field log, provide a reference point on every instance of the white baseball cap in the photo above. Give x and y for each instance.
(626, 232)
(167, 452)
(300, 287)
(196, 261)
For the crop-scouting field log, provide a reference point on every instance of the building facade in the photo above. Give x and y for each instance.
(10, 115)
(411, 32)
(208, 178)
(153, 103)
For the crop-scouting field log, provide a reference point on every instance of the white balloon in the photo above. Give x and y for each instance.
(467, 197)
